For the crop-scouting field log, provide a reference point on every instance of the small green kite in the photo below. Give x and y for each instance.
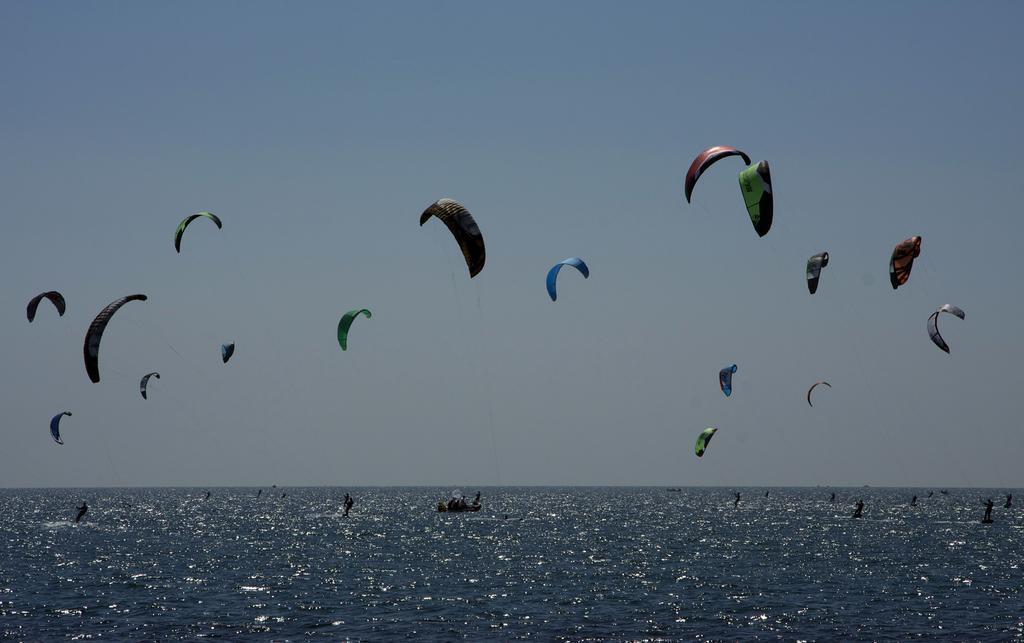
(703, 439)
(346, 323)
(189, 219)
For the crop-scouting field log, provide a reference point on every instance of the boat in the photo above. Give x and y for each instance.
(443, 508)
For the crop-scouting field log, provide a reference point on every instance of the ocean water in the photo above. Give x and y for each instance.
(567, 563)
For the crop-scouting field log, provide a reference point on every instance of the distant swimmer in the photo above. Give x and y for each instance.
(284, 495)
(944, 492)
(860, 508)
(988, 511)
(736, 503)
(348, 503)
(1009, 501)
(832, 498)
(913, 501)
(80, 512)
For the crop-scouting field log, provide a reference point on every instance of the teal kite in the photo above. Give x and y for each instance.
(346, 323)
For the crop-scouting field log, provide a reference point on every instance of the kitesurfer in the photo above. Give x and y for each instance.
(207, 496)
(832, 498)
(259, 493)
(859, 510)
(913, 501)
(988, 511)
(765, 494)
(348, 503)
(81, 512)
(736, 503)
(1009, 501)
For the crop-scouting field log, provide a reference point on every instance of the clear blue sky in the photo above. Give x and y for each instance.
(320, 131)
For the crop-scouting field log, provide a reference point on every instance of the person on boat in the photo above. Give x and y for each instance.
(1009, 501)
(736, 503)
(988, 510)
(913, 501)
(860, 508)
(81, 512)
(476, 501)
(832, 498)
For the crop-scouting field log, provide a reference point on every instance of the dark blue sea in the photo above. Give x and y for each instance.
(566, 564)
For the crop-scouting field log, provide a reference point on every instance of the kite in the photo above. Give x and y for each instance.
(814, 266)
(189, 219)
(55, 297)
(812, 388)
(705, 159)
(91, 347)
(902, 261)
(463, 227)
(933, 324)
(725, 379)
(145, 383)
(575, 262)
(346, 323)
(702, 441)
(756, 186)
(55, 426)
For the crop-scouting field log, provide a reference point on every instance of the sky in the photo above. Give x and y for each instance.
(319, 131)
